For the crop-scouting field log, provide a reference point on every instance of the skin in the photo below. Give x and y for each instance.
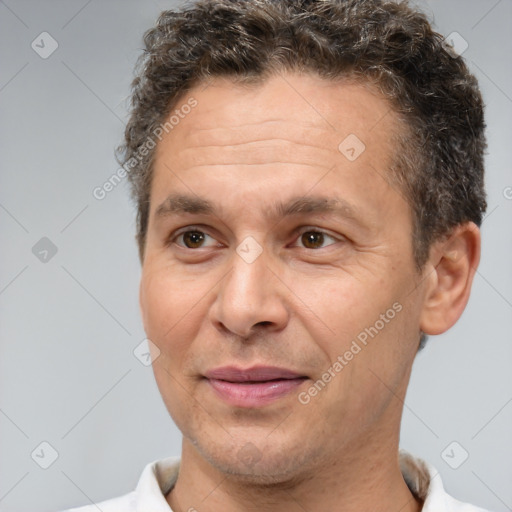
(298, 305)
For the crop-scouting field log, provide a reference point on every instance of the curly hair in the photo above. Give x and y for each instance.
(439, 159)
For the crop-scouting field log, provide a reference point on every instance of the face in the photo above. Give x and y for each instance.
(275, 240)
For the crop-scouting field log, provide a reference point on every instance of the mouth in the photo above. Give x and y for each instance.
(253, 387)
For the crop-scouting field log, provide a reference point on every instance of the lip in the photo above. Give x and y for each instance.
(253, 387)
(255, 373)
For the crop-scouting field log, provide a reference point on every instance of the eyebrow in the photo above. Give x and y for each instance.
(178, 204)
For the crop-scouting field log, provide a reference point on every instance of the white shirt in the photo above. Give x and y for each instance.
(159, 477)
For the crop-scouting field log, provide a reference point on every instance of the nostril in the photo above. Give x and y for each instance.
(263, 324)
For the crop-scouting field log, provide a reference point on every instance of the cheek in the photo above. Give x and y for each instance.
(171, 308)
(363, 319)
(338, 305)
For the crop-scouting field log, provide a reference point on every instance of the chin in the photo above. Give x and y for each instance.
(274, 465)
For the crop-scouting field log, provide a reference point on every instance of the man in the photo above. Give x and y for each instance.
(309, 182)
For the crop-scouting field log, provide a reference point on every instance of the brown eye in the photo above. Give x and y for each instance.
(312, 239)
(193, 239)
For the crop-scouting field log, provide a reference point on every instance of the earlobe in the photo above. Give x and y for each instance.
(453, 263)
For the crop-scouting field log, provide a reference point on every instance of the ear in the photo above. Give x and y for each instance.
(449, 274)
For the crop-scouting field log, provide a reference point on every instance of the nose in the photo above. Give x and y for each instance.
(251, 297)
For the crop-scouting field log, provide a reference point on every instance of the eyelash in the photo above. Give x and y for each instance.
(174, 236)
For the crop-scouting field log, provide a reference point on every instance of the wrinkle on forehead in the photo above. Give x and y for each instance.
(294, 110)
(259, 130)
(276, 130)
(266, 151)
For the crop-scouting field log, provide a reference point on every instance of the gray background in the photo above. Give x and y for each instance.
(69, 325)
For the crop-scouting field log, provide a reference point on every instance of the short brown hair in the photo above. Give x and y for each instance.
(439, 163)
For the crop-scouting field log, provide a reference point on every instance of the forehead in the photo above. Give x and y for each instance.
(287, 133)
(304, 104)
